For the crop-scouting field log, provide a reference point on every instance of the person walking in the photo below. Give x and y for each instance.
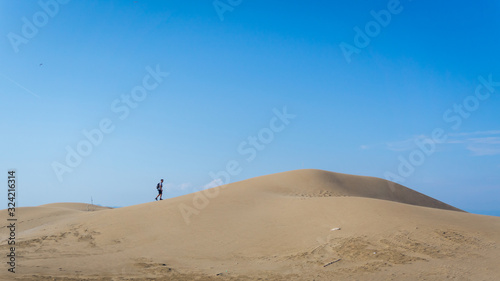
(159, 187)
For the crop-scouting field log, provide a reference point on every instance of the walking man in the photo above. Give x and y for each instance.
(159, 187)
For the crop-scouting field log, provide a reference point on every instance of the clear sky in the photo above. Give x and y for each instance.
(101, 99)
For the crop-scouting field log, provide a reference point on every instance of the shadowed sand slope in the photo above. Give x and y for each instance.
(275, 227)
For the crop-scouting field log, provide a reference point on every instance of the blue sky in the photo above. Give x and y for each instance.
(177, 90)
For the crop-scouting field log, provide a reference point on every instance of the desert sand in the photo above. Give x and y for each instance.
(297, 225)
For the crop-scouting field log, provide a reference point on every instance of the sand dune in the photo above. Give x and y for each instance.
(275, 227)
(318, 183)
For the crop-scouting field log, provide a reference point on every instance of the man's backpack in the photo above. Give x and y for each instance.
(158, 186)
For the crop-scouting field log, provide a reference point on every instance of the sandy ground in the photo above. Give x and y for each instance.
(275, 227)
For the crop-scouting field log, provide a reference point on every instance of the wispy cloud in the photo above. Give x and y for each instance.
(370, 146)
(404, 145)
(476, 133)
(483, 150)
(188, 186)
(214, 183)
(20, 86)
(182, 186)
(480, 143)
(399, 146)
